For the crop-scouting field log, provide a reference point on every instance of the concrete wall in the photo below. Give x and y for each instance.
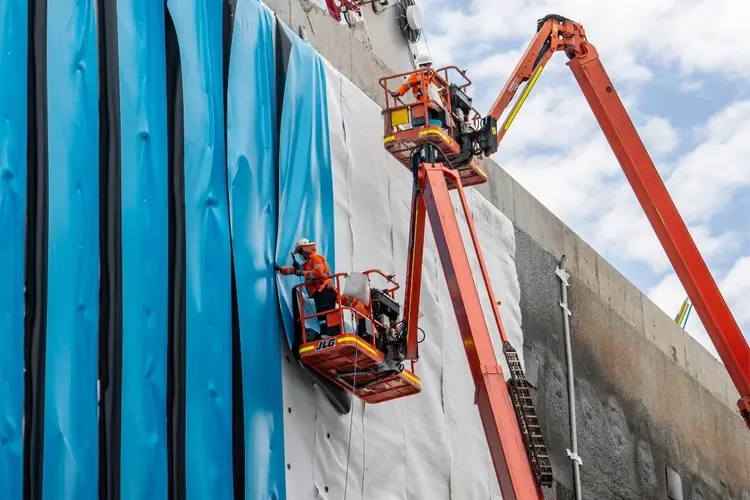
(387, 41)
(650, 395)
(350, 50)
(638, 410)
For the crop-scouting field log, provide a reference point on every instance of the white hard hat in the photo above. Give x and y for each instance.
(302, 242)
(424, 59)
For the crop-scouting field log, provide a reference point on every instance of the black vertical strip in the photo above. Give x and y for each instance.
(37, 228)
(176, 335)
(283, 50)
(230, 7)
(238, 404)
(110, 248)
(238, 400)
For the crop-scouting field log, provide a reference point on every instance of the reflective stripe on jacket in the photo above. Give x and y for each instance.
(315, 270)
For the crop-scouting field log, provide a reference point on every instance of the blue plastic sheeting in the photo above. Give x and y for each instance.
(70, 409)
(13, 40)
(144, 186)
(252, 149)
(305, 177)
(208, 405)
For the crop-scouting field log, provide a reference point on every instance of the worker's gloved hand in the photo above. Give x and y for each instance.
(394, 93)
(299, 272)
(276, 267)
(295, 264)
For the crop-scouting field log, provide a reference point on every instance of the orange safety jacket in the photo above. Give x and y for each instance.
(413, 83)
(355, 304)
(315, 270)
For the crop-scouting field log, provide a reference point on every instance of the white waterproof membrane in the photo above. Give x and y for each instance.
(428, 446)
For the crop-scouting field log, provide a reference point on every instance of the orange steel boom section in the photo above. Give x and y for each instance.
(347, 360)
(556, 33)
(431, 198)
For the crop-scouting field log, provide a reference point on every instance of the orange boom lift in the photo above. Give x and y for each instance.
(443, 154)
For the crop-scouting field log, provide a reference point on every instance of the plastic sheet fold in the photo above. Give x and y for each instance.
(144, 187)
(252, 148)
(70, 410)
(305, 177)
(13, 61)
(208, 357)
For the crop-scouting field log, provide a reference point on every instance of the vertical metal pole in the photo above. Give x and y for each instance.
(572, 453)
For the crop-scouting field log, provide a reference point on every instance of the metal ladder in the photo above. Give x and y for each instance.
(528, 422)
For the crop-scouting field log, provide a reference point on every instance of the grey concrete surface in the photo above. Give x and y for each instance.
(638, 409)
(348, 49)
(388, 43)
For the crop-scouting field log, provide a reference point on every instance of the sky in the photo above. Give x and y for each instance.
(682, 70)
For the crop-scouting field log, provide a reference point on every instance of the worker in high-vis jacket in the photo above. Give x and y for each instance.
(316, 273)
(434, 99)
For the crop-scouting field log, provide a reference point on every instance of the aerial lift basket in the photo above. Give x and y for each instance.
(351, 358)
(409, 126)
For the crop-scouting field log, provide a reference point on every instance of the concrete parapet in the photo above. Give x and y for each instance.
(587, 267)
(282, 9)
(499, 188)
(707, 370)
(367, 70)
(664, 332)
(623, 297)
(534, 219)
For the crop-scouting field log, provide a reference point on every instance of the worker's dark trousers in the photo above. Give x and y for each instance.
(325, 300)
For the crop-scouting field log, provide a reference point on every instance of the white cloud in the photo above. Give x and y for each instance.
(706, 179)
(498, 66)
(575, 174)
(625, 32)
(659, 136)
(713, 246)
(736, 287)
(668, 294)
(691, 85)
(568, 184)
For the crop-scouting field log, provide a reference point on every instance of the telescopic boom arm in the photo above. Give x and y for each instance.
(556, 33)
